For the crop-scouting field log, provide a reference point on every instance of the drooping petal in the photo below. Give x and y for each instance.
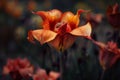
(108, 55)
(63, 42)
(41, 35)
(71, 19)
(68, 41)
(82, 31)
(50, 18)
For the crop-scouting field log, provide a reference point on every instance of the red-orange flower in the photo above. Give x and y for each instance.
(113, 16)
(42, 75)
(109, 54)
(18, 68)
(59, 29)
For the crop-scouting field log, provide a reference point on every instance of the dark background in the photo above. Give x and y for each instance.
(81, 60)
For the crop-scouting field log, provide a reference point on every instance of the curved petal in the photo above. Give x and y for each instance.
(41, 35)
(62, 42)
(50, 18)
(71, 19)
(82, 31)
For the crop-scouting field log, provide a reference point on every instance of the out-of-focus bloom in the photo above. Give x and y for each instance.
(31, 5)
(113, 16)
(9, 7)
(19, 33)
(17, 11)
(14, 8)
(94, 19)
(109, 54)
(42, 75)
(59, 29)
(18, 68)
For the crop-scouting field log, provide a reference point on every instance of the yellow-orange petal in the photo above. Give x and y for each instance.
(71, 19)
(50, 18)
(51, 15)
(42, 36)
(82, 31)
(63, 42)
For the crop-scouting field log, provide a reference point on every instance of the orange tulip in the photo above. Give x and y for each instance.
(59, 29)
(109, 54)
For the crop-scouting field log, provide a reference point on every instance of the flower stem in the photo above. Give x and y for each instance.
(61, 66)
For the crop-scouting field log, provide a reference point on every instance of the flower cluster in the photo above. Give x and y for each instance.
(20, 69)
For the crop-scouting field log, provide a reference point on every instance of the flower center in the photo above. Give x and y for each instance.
(62, 28)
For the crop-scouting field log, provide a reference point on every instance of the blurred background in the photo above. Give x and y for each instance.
(81, 61)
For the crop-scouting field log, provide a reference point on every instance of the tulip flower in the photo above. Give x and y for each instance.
(18, 68)
(59, 29)
(109, 54)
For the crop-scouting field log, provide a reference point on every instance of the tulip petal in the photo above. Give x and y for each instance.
(71, 19)
(41, 35)
(50, 18)
(84, 31)
(63, 42)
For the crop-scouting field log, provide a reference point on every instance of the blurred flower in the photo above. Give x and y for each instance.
(9, 7)
(94, 19)
(113, 15)
(47, 4)
(31, 5)
(17, 11)
(42, 75)
(82, 5)
(19, 33)
(109, 54)
(59, 30)
(18, 68)
(36, 21)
